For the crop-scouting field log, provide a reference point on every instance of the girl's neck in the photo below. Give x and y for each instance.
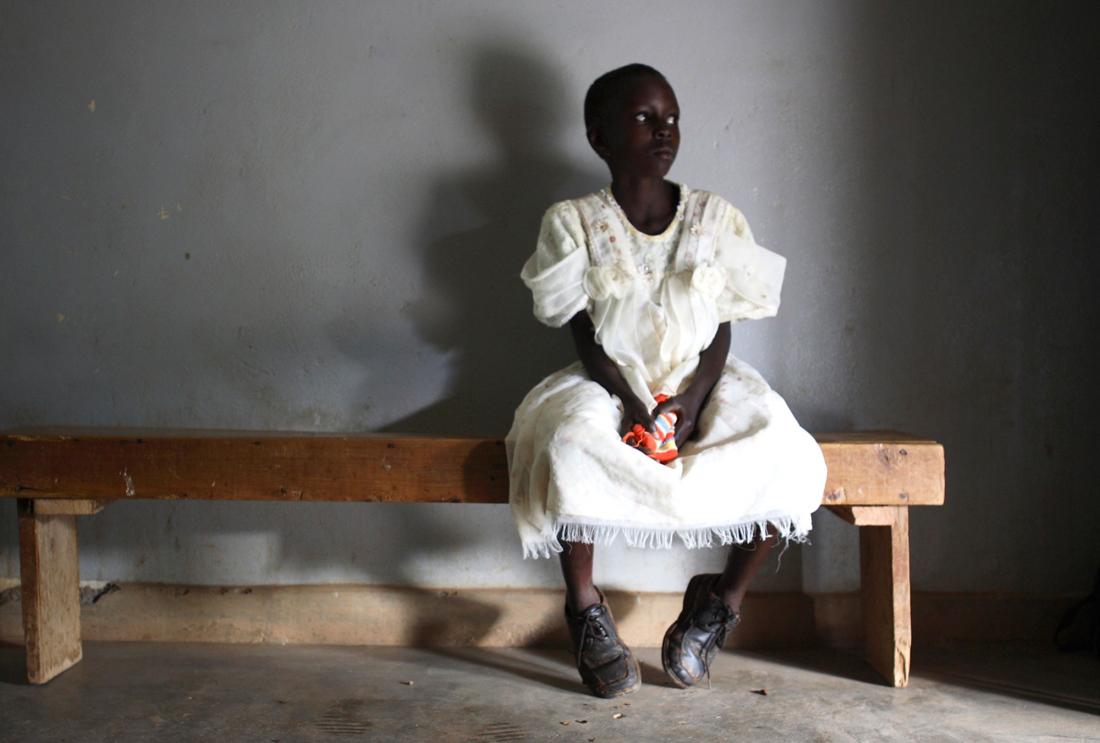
(649, 203)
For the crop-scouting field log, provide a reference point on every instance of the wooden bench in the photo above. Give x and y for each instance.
(59, 474)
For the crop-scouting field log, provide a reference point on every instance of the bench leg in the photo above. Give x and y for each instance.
(50, 574)
(884, 576)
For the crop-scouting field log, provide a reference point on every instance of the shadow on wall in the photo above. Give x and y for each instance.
(478, 227)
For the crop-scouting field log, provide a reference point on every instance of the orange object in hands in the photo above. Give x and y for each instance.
(659, 445)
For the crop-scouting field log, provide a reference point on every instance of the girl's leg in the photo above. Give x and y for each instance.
(606, 665)
(576, 568)
(741, 566)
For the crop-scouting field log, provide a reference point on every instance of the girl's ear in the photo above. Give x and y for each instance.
(595, 140)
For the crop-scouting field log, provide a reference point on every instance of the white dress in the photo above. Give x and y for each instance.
(656, 302)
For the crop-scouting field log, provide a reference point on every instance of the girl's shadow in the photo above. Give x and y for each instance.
(479, 226)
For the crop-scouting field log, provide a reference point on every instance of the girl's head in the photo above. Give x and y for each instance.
(633, 121)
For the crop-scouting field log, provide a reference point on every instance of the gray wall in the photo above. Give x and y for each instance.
(311, 216)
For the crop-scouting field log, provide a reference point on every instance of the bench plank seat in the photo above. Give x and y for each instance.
(883, 468)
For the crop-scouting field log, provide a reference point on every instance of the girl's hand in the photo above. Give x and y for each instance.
(686, 409)
(635, 412)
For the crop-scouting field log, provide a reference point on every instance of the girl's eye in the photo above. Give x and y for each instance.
(673, 119)
(640, 116)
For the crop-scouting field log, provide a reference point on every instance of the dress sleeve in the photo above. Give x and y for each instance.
(555, 272)
(754, 274)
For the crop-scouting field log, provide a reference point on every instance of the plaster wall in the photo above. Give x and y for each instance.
(311, 216)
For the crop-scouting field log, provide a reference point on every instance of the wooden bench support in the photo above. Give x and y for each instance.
(884, 587)
(50, 573)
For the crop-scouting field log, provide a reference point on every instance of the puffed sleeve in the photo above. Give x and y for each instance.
(754, 274)
(555, 272)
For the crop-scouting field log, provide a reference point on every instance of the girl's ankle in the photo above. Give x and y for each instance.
(576, 603)
(731, 600)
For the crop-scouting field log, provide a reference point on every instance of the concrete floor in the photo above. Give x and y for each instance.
(182, 692)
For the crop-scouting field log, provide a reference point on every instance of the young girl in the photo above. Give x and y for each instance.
(649, 274)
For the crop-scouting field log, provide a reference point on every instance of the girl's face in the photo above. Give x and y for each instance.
(639, 134)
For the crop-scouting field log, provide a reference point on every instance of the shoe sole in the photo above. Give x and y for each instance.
(688, 594)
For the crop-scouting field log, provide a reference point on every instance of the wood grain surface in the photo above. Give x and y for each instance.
(865, 468)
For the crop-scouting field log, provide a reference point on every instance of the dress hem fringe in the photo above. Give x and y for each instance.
(787, 528)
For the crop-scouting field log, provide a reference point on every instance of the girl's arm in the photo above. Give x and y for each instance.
(688, 403)
(606, 373)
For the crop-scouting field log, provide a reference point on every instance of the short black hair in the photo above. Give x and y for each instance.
(610, 86)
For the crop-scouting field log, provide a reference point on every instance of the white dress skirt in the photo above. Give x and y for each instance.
(656, 302)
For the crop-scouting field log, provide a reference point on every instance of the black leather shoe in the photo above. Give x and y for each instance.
(607, 666)
(693, 639)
